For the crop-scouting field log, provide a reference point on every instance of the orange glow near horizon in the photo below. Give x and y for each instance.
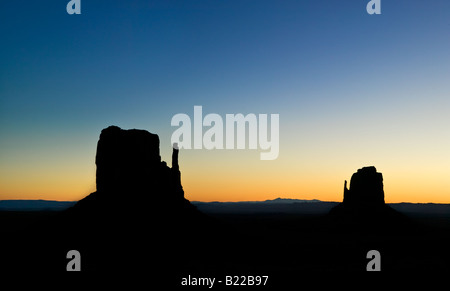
(239, 175)
(236, 176)
(209, 188)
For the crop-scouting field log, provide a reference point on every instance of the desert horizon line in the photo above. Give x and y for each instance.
(235, 201)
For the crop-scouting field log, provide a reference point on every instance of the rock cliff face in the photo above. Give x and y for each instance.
(366, 188)
(132, 180)
(126, 159)
(364, 203)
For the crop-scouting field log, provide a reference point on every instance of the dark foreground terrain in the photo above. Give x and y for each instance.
(280, 244)
(139, 223)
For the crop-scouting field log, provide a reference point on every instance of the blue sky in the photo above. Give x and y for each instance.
(339, 78)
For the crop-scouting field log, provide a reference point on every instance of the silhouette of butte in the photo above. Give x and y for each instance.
(364, 201)
(132, 181)
(366, 188)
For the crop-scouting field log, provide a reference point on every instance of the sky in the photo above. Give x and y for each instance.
(351, 90)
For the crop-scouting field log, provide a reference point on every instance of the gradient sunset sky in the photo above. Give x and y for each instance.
(351, 90)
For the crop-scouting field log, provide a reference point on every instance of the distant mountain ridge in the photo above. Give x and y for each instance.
(34, 205)
(286, 205)
(314, 206)
(41, 205)
(276, 200)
